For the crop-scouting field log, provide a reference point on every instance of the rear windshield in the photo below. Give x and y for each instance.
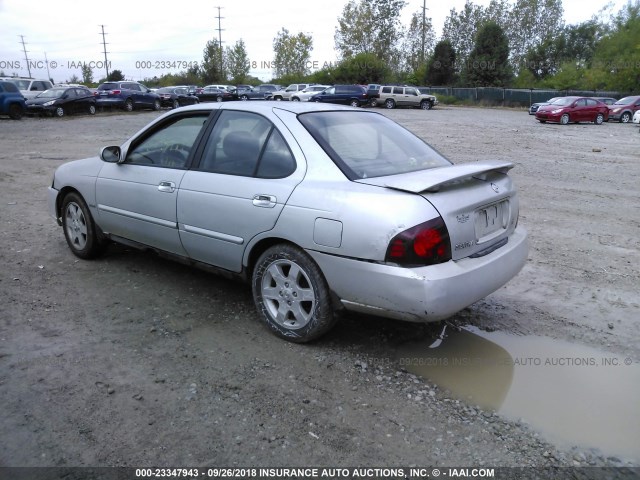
(9, 87)
(366, 145)
(108, 86)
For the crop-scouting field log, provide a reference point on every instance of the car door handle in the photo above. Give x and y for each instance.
(168, 187)
(265, 201)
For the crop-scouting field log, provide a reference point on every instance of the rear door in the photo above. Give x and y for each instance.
(246, 174)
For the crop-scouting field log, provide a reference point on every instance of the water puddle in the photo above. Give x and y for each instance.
(571, 394)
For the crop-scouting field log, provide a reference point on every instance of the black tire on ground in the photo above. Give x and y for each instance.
(16, 112)
(291, 294)
(83, 237)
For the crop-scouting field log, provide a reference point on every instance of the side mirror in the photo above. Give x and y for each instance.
(111, 154)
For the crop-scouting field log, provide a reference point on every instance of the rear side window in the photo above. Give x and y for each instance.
(247, 144)
(386, 89)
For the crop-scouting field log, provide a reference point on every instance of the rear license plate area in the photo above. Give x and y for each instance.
(491, 220)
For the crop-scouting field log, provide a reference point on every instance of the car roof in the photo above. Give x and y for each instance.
(264, 107)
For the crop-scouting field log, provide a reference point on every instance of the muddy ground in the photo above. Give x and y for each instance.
(131, 360)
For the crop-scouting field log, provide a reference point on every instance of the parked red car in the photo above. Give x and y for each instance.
(574, 109)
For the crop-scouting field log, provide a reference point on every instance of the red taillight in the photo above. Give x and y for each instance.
(424, 244)
(114, 92)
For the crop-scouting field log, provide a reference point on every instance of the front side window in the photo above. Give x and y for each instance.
(247, 144)
(366, 145)
(170, 145)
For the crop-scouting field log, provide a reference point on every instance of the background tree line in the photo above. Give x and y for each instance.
(517, 43)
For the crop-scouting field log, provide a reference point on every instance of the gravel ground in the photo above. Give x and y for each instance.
(132, 360)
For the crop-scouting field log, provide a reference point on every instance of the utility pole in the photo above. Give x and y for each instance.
(219, 29)
(24, 49)
(424, 29)
(46, 60)
(104, 48)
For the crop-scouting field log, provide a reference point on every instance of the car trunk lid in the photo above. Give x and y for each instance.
(477, 202)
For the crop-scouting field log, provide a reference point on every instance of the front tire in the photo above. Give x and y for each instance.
(176, 104)
(80, 231)
(59, 112)
(291, 294)
(564, 120)
(389, 103)
(625, 117)
(156, 106)
(244, 98)
(425, 105)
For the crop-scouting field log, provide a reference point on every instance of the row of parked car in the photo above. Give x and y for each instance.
(42, 98)
(574, 109)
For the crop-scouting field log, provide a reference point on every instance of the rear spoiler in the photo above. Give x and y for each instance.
(432, 179)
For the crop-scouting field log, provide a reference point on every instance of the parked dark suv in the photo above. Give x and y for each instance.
(353, 95)
(126, 95)
(11, 100)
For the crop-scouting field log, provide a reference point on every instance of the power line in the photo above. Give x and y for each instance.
(104, 48)
(24, 49)
(424, 31)
(219, 29)
(220, 39)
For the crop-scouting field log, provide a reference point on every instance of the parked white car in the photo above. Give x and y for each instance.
(307, 93)
(288, 92)
(30, 87)
(636, 117)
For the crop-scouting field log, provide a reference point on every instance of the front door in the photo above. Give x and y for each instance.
(136, 199)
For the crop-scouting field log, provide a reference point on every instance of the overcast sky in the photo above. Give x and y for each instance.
(152, 38)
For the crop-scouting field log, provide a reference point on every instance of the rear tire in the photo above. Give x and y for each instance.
(128, 105)
(599, 119)
(176, 104)
(291, 294)
(92, 109)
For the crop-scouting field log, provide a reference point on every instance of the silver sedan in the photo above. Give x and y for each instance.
(319, 207)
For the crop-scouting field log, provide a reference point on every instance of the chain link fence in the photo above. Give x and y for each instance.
(514, 97)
